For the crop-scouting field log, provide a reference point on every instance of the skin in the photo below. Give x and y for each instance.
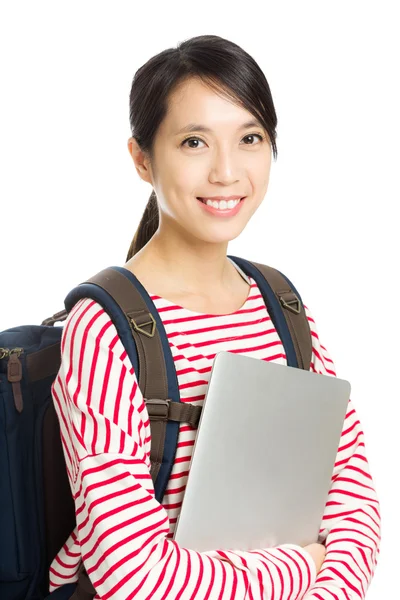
(190, 246)
(185, 261)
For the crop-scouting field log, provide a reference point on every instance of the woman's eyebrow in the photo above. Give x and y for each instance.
(198, 127)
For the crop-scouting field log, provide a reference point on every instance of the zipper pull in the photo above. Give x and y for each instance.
(14, 376)
(4, 352)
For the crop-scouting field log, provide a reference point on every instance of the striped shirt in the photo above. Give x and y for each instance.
(123, 535)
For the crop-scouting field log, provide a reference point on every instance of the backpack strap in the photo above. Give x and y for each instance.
(286, 309)
(293, 312)
(144, 337)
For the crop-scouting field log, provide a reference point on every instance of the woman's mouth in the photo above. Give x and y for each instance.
(221, 208)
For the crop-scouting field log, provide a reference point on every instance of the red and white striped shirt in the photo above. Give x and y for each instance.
(123, 535)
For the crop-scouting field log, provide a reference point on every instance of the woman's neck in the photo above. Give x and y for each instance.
(191, 268)
(200, 280)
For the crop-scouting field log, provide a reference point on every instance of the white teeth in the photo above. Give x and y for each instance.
(222, 204)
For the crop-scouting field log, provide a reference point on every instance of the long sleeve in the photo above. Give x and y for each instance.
(352, 511)
(121, 528)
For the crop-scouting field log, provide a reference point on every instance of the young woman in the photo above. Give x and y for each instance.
(203, 134)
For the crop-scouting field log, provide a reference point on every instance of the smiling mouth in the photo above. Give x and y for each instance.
(204, 200)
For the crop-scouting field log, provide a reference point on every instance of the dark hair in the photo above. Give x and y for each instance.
(219, 63)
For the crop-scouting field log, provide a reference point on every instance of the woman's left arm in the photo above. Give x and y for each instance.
(352, 511)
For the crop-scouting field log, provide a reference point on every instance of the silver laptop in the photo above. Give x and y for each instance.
(263, 456)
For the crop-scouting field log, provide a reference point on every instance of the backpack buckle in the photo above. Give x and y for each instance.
(60, 316)
(291, 299)
(138, 324)
(157, 408)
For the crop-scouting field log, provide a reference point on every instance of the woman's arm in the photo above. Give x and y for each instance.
(121, 528)
(352, 512)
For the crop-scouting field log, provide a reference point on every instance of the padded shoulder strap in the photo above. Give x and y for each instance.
(286, 309)
(137, 320)
(294, 313)
(152, 372)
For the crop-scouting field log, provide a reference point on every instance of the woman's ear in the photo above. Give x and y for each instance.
(142, 163)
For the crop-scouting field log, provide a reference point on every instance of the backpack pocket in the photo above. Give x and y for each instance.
(14, 490)
(20, 548)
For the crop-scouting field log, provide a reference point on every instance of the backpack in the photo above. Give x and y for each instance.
(37, 510)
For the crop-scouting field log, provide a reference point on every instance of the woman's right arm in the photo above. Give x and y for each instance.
(122, 529)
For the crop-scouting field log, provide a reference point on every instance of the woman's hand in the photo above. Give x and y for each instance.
(317, 552)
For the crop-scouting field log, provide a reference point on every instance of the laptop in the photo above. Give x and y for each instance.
(263, 457)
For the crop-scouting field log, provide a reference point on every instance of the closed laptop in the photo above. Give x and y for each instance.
(263, 458)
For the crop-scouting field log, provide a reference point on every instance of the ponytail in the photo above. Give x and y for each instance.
(147, 226)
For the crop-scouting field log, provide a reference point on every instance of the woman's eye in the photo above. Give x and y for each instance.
(191, 140)
(252, 135)
(196, 139)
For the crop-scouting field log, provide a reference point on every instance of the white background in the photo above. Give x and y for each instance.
(71, 199)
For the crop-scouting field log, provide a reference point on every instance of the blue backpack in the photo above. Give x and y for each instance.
(37, 510)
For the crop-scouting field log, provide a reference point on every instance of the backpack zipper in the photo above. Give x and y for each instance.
(14, 373)
(4, 352)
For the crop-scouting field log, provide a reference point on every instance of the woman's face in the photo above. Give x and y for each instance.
(227, 159)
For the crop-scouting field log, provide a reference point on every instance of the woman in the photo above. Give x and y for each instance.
(203, 127)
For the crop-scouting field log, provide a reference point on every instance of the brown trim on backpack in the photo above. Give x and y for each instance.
(59, 506)
(294, 312)
(44, 363)
(153, 381)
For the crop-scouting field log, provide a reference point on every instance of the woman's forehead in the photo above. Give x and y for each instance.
(203, 110)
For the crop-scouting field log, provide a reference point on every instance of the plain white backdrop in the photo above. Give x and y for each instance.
(71, 199)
